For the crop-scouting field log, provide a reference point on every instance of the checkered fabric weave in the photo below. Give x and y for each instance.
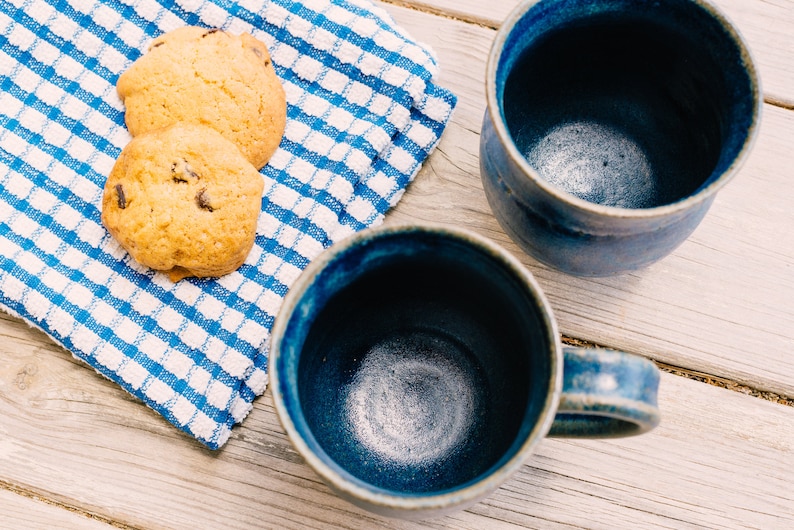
(363, 114)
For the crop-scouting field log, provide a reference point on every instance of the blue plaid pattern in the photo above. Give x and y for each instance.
(363, 114)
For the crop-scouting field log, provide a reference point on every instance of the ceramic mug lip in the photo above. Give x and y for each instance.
(356, 489)
(703, 194)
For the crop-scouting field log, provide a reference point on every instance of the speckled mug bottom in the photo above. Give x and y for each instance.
(407, 377)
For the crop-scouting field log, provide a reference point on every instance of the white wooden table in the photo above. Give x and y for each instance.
(78, 452)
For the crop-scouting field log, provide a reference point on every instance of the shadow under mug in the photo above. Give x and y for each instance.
(415, 369)
(610, 125)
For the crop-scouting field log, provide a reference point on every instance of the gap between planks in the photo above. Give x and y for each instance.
(702, 377)
(769, 100)
(488, 24)
(431, 10)
(55, 504)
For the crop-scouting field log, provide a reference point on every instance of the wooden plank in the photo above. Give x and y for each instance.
(768, 27)
(18, 511)
(719, 459)
(723, 303)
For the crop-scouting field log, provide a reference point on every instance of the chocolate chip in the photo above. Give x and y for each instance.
(261, 55)
(122, 200)
(156, 44)
(203, 200)
(181, 171)
(210, 32)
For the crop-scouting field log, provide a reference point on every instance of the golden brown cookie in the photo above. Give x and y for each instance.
(183, 200)
(210, 77)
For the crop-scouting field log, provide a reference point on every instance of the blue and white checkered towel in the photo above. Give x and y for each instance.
(363, 114)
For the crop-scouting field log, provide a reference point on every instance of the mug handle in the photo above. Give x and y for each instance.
(606, 394)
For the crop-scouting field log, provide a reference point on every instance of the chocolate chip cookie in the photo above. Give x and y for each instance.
(211, 77)
(183, 200)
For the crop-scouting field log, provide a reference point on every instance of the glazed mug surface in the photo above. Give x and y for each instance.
(415, 368)
(610, 125)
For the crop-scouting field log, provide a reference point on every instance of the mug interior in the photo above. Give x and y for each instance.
(624, 103)
(422, 364)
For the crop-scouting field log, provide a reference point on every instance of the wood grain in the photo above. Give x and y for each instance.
(77, 446)
(764, 24)
(722, 303)
(719, 459)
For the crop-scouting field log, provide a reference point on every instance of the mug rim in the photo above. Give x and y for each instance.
(661, 211)
(418, 504)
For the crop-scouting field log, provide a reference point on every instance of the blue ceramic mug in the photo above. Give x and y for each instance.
(610, 126)
(416, 368)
